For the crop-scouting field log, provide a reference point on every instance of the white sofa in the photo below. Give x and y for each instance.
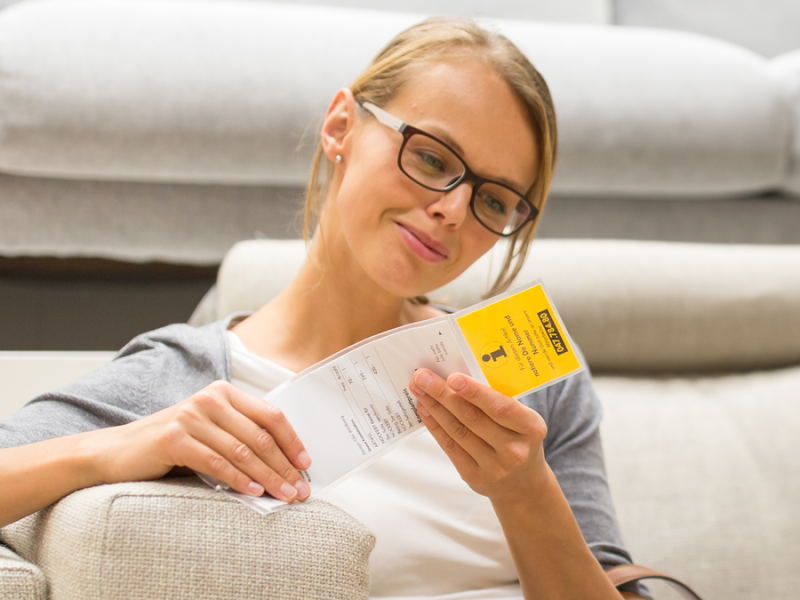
(696, 351)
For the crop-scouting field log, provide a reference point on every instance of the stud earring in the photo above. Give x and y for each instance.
(338, 158)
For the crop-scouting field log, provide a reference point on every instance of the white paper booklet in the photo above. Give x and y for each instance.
(354, 406)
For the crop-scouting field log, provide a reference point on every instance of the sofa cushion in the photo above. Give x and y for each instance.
(705, 477)
(202, 92)
(193, 224)
(19, 579)
(664, 307)
(225, 92)
(675, 307)
(137, 221)
(659, 113)
(178, 538)
(632, 306)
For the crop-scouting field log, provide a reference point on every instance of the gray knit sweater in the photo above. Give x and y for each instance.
(158, 369)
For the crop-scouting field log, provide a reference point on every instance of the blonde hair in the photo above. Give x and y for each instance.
(436, 39)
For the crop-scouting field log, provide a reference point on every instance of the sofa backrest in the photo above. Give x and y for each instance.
(632, 306)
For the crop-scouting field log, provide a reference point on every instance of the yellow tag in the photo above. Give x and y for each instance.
(519, 342)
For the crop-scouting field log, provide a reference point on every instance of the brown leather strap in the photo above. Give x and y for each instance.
(623, 574)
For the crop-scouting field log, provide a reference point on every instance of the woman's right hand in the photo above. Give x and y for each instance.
(220, 431)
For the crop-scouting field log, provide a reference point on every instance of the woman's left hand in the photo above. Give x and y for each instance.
(494, 441)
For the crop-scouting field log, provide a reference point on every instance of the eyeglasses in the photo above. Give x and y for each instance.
(434, 165)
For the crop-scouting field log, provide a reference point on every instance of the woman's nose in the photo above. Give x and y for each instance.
(451, 207)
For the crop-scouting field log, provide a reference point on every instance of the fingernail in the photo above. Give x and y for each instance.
(303, 490)
(423, 379)
(288, 491)
(255, 489)
(416, 391)
(423, 410)
(457, 382)
(304, 459)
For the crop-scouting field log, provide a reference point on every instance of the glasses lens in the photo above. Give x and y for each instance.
(500, 209)
(430, 163)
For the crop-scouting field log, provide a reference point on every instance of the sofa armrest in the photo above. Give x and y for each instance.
(177, 538)
(19, 579)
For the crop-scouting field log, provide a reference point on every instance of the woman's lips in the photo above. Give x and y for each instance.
(422, 244)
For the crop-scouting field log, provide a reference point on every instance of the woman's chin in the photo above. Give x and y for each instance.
(411, 283)
(402, 281)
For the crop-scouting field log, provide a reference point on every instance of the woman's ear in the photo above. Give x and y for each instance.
(338, 124)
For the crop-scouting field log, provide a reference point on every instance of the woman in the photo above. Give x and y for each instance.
(403, 215)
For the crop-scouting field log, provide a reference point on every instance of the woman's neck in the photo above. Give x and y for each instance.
(321, 312)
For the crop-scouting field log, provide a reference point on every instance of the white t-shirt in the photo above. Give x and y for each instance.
(435, 537)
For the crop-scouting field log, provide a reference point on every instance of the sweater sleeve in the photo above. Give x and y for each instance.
(155, 370)
(573, 450)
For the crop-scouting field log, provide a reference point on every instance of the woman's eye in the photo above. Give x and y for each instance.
(494, 205)
(431, 161)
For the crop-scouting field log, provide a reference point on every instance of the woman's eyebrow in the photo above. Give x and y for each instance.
(447, 139)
